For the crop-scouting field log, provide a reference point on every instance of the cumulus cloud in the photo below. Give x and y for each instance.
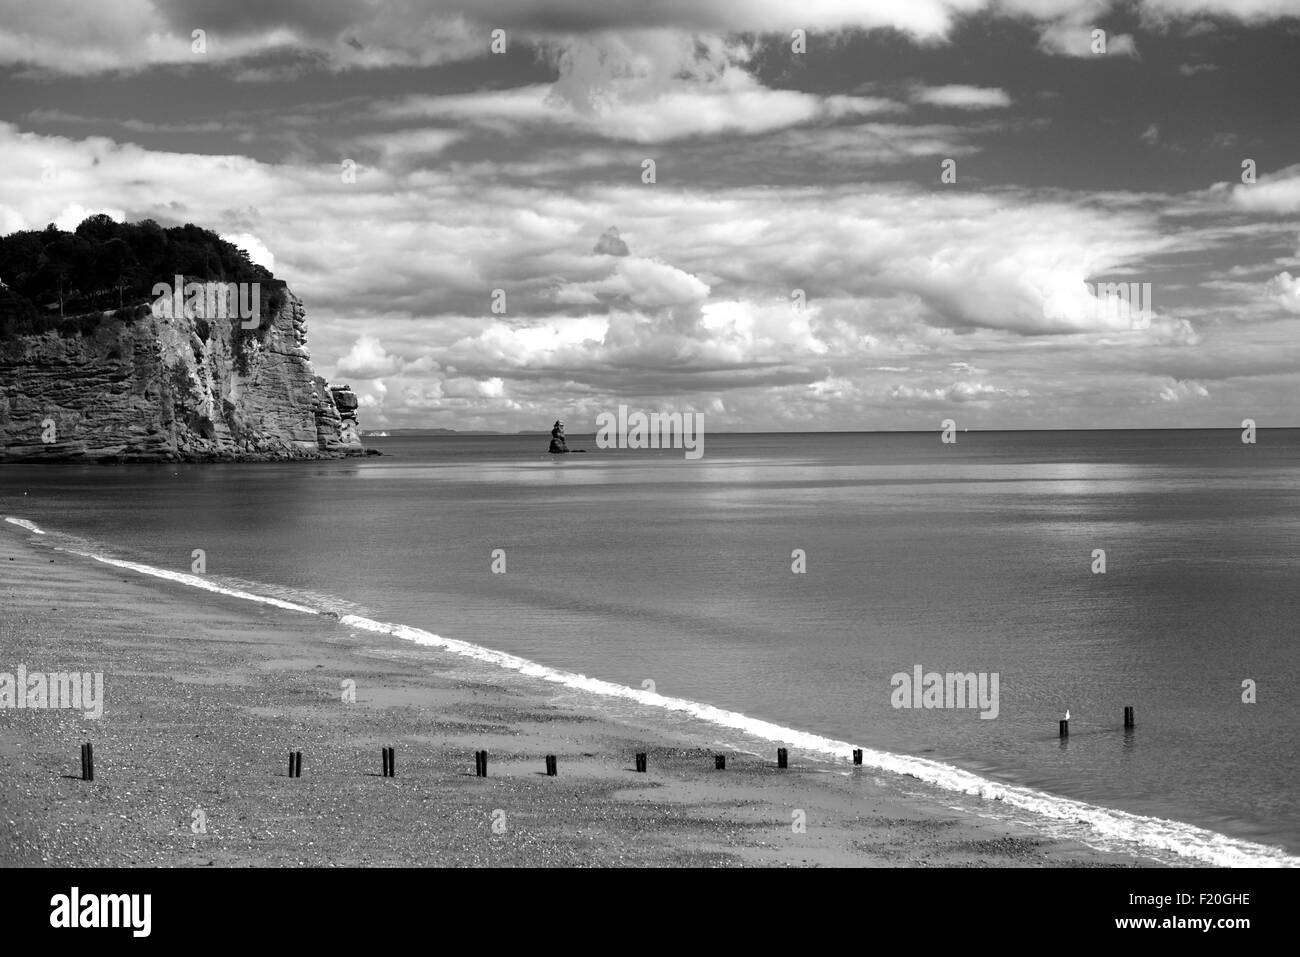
(1284, 289)
(1183, 390)
(367, 359)
(1277, 192)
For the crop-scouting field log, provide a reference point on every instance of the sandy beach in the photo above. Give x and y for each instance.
(205, 695)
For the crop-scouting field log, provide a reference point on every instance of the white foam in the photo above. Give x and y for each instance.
(23, 523)
(196, 581)
(1100, 823)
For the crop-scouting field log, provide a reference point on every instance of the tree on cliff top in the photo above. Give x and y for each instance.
(104, 264)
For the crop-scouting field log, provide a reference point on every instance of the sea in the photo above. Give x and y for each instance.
(778, 589)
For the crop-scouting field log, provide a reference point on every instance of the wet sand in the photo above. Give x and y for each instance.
(206, 695)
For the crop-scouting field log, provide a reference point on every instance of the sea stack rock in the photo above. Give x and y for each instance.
(558, 445)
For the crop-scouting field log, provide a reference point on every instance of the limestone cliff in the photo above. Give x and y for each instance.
(130, 385)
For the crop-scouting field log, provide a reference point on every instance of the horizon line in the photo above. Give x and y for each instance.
(1191, 428)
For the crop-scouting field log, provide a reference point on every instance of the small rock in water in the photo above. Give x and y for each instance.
(558, 445)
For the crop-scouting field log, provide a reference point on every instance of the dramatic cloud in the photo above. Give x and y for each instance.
(800, 260)
(61, 36)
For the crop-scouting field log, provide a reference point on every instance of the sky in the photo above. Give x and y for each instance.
(822, 215)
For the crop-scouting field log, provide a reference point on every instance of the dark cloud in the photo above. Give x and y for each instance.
(610, 244)
(317, 19)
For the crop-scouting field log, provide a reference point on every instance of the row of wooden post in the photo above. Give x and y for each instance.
(552, 769)
(1129, 722)
(389, 759)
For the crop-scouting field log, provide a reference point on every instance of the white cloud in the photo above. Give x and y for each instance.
(627, 109)
(368, 359)
(956, 392)
(128, 35)
(11, 221)
(1285, 290)
(1245, 10)
(644, 282)
(963, 97)
(255, 248)
(1179, 390)
(952, 285)
(1277, 192)
(1077, 38)
(73, 214)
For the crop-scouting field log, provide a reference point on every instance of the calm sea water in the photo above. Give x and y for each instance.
(636, 566)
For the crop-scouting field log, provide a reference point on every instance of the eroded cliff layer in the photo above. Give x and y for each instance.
(131, 385)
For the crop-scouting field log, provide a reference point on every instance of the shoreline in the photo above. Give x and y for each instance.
(205, 694)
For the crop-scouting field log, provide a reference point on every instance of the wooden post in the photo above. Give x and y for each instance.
(1128, 717)
(297, 764)
(857, 755)
(720, 762)
(87, 762)
(641, 761)
(552, 768)
(480, 764)
(1065, 728)
(782, 758)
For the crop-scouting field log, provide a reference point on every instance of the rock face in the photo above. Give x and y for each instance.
(134, 386)
(558, 445)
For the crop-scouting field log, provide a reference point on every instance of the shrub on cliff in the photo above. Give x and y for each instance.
(18, 317)
(49, 274)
